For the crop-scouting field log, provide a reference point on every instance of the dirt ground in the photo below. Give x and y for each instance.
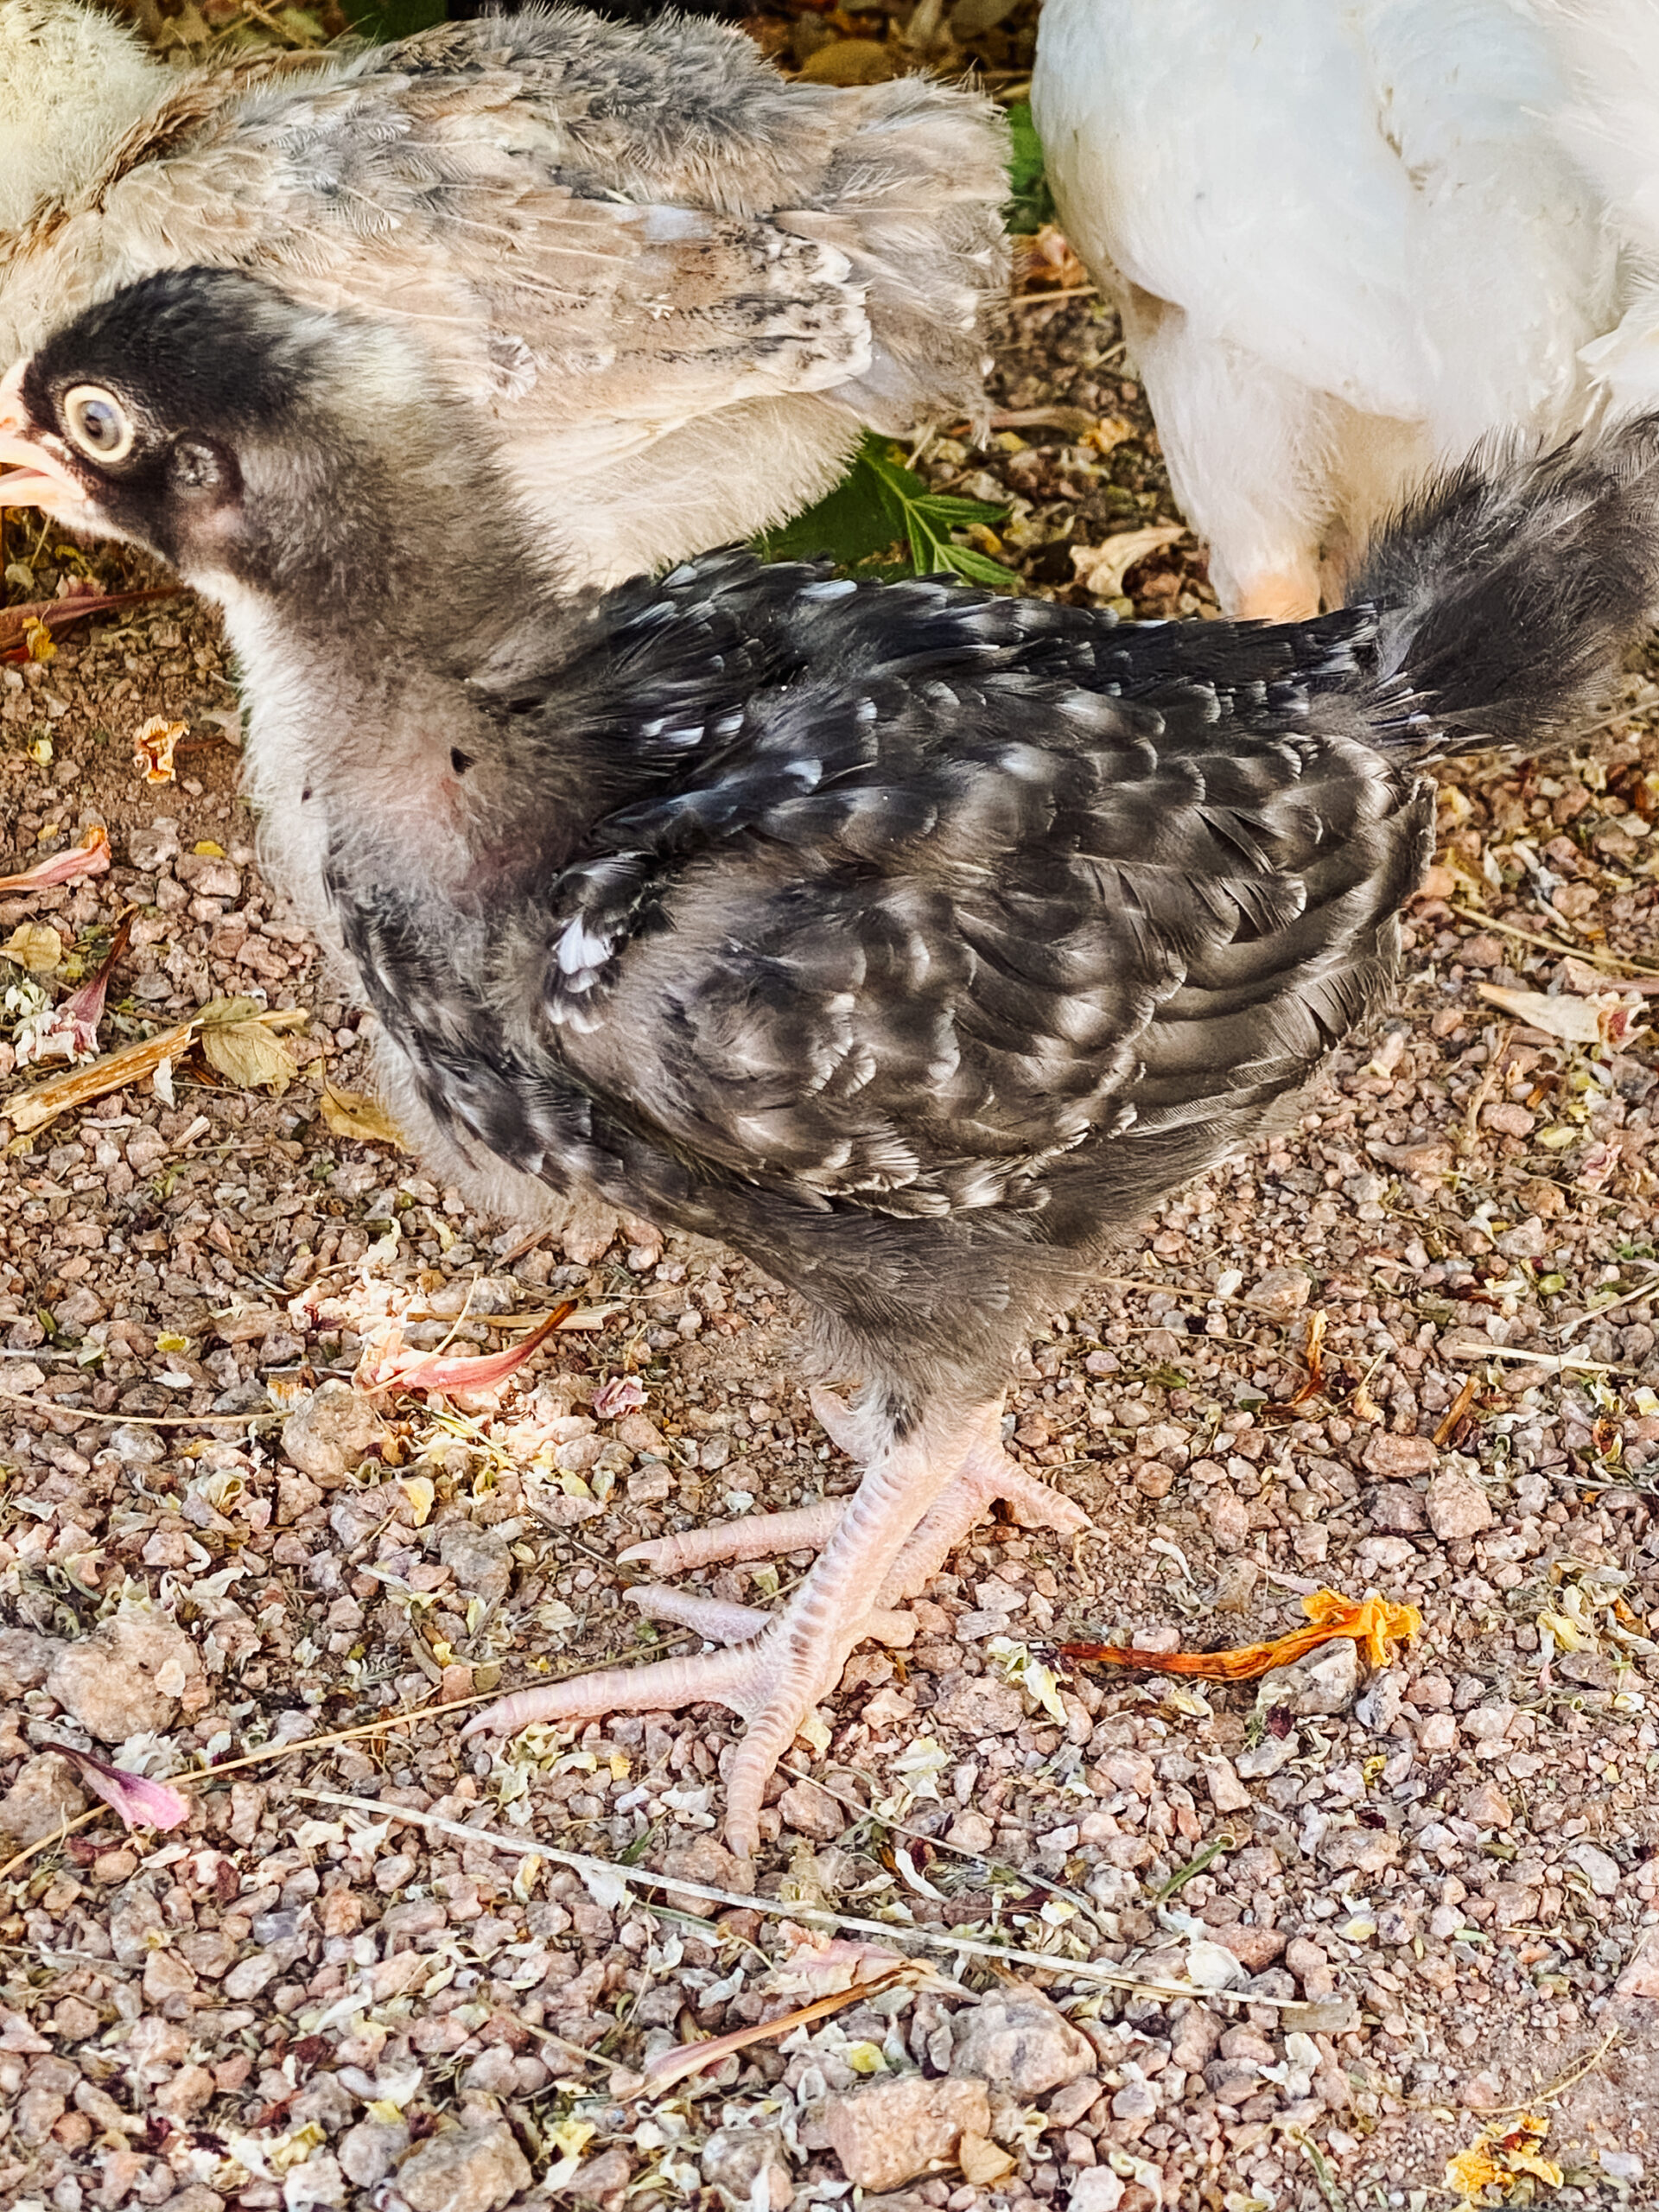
(1410, 1347)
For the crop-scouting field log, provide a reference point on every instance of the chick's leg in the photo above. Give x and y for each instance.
(724, 1622)
(990, 1476)
(987, 1476)
(775, 1679)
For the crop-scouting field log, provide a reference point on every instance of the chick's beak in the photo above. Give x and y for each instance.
(32, 477)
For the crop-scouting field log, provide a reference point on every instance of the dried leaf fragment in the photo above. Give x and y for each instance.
(686, 2059)
(247, 1054)
(34, 946)
(1102, 568)
(983, 2162)
(1605, 1019)
(152, 743)
(20, 625)
(32, 1110)
(1374, 1622)
(349, 1114)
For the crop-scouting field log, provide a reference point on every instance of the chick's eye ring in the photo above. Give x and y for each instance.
(98, 423)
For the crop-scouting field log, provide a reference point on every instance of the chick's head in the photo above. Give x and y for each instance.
(252, 442)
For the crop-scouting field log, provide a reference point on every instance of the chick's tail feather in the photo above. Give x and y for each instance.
(1509, 591)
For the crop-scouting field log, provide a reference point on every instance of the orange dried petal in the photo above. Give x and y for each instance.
(1374, 1622)
(1473, 2171)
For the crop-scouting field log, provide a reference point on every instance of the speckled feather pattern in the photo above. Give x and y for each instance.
(912, 961)
(912, 940)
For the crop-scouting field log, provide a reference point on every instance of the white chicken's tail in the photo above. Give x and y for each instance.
(1508, 593)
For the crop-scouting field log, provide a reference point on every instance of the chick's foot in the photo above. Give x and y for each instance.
(774, 1680)
(989, 1476)
(722, 1622)
(759, 1535)
(762, 1536)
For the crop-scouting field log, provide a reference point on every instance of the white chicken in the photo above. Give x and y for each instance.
(1350, 241)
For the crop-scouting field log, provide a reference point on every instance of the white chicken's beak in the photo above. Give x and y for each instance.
(32, 478)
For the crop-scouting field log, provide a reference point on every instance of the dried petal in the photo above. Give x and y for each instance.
(152, 748)
(1500, 2158)
(394, 1369)
(141, 1803)
(420, 1492)
(623, 1394)
(90, 857)
(1374, 1622)
(1102, 568)
(70, 1031)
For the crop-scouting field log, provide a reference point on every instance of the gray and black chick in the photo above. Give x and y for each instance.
(913, 940)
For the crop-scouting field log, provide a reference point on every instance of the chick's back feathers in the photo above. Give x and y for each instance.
(907, 910)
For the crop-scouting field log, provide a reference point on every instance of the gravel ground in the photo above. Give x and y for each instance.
(1285, 1950)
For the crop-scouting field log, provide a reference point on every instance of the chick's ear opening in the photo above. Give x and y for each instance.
(197, 470)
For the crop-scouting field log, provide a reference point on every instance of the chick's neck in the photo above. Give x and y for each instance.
(357, 646)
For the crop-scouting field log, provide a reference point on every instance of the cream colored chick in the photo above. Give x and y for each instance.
(72, 83)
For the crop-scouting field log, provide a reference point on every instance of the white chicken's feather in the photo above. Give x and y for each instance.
(1608, 54)
(1347, 240)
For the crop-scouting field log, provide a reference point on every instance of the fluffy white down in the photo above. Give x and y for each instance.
(1349, 241)
(73, 82)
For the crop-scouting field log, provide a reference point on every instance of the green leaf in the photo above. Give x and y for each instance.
(381, 22)
(881, 508)
(861, 517)
(978, 568)
(957, 514)
(1031, 203)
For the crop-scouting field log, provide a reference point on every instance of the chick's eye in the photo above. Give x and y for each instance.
(98, 423)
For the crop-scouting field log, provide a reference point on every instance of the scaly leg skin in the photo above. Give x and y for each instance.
(775, 1679)
(990, 1475)
(761, 1536)
(987, 1475)
(723, 1623)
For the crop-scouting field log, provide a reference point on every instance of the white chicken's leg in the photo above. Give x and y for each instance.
(775, 1679)
(1287, 596)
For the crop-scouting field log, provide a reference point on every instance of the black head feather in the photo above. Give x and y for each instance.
(255, 439)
